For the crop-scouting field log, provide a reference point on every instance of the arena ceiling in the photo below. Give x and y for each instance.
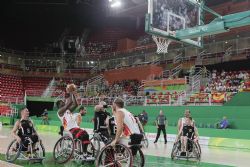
(26, 24)
(138, 8)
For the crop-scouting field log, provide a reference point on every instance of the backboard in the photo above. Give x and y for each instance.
(165, 17)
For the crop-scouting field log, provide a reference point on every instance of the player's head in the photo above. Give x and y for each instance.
(161, 112)
(101, 106)
(60, 104)
(82, 111)
(187, 113)
(118, 103)
(25, 113)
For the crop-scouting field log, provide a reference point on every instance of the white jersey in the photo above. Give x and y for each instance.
(130, 123)
(68, 120)
(183, 121)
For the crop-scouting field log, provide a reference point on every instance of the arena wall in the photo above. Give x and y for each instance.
(205, 116)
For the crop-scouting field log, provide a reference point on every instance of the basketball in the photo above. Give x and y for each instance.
(71, 88)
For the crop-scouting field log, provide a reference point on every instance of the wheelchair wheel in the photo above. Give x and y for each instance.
(78, 150)
(145, 141)
(13, 151)
(175, 150)
(91, 151)
(96, 145)
(138, 159)
(39, 150)
(196, 152)
(118, 156)
(198, 145)
(63, 150)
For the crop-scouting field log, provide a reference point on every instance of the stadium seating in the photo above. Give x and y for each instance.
(5, 109)
(11, 87)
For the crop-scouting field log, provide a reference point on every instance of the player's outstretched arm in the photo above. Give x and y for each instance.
(74, 103)
(63, 109)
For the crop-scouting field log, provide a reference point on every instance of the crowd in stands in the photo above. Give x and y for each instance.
(122, 88)
(232, 81)
(97, 48)
(144, 40)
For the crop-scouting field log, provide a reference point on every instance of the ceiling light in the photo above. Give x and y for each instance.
(116, 4)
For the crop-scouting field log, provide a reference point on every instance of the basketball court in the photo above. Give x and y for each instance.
(156, 154)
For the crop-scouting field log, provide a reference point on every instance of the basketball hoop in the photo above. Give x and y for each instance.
(162, 44)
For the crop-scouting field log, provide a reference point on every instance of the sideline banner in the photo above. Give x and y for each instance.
(172, 137)
(206, 141)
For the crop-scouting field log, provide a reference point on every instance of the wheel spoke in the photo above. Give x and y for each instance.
(110, 164)
(121, 160)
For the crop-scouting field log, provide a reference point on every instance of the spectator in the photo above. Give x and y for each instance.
(45, 117)
(223, 124)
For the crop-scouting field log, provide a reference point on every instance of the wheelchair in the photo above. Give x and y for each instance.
(32, 154)
(67, 148)
(96, 140)
(144, 141)
(121, 155)
(193, 151)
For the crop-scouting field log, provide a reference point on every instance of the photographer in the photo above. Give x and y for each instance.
(100, 118)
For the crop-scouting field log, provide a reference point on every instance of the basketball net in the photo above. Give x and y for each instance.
(162, 44)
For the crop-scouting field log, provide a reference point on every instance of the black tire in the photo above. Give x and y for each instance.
(42, 149)
(196, 151)
(198, 145)
(17, 148)
(109, 151)
(96, 145)
(78, 150)
(91, 150)
(174, 150)
(67, 154)
(145, 141)
(137, 162)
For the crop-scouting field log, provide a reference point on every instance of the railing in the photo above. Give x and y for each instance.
(228, 52)
(156, 61)
(95, 79)
(178, 59)
(166, 74)
(208, 58)
(196, 75)
(174, 98)
(135, 100)
(13, 100)
(50, 93)
(164, 82)
(129, 100)
(93, 84)
(94, 70)
(175, 71)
